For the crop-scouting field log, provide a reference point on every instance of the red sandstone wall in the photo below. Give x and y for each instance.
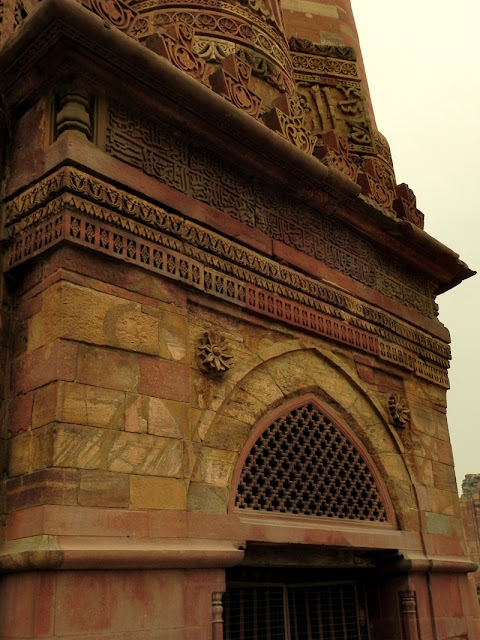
(328, 22)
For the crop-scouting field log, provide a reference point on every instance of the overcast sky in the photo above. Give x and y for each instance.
(422, 59)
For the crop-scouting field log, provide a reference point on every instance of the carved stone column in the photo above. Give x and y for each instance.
(408, 603)
(217, 616)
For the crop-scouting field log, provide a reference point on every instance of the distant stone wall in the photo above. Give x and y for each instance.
(470, 503)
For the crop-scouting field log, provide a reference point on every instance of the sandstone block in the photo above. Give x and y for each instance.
(107, 368)
(167, 418)
(164, 379)
(173, 336)
(438, 523)
(97, 407)
(102, 489)
(54, 361)
(216, 466)
(227, 433)
(20, 413)
(46, 486)
(19, 453)
(424, 471)
(262, 387)
(86, 447)
(85, 315)
(442, 501)
(245, 407)
(444, 476)
(45, 406)
(136, 413)
(147, 492)
(207, 498)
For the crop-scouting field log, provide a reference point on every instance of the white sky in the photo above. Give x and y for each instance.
(422, 59)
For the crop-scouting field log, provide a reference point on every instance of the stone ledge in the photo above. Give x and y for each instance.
(72, 552)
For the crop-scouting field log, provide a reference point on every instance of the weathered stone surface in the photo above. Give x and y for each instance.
(19, 454)
(94, 406)
(227, 433)
(109, 368)
(438, 523)
(109, 321)
(147, 492)
(103, 489)
(54, 361)
(164, 379)
(20, 413)
(173, 336)
(207, 498)
(84, 447)
(215, 467)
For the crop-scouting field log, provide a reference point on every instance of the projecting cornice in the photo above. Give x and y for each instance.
(75, 42)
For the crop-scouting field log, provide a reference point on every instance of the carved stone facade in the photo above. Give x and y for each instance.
(223, 377)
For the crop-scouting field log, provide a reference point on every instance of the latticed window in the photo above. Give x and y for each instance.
(303, 464)
(295, 612)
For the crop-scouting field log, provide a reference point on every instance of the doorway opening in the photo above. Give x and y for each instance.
(293, 605)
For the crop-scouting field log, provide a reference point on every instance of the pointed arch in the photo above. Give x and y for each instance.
(304, 460)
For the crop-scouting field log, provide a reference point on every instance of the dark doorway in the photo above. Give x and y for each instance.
(260, 609)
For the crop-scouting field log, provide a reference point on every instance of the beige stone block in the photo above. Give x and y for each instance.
(45, 404)
(43, 446)
(207, 498)
(216, 466)
(173, 336)
(158, 493)
(442, 501)
(424, 471)
(86, 447)
(394, 466)
(227, 433)
(208, 392)
(301, 370)
(167, 418)
(136, 413)
(262, 387)
(244, 407)
(19, 451)
(444, 476)
(94, 406)
(438, 523)
(410, 520)
(146, 455)
(401, 493)
(103, 489)
(85, 315)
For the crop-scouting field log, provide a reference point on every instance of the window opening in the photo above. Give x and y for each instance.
(303, 464)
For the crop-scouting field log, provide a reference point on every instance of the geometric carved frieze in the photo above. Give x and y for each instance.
(71, 205)
(304, 317)
(162, 152)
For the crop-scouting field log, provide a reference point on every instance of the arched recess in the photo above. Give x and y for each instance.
(281, 377)
(303, 460)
